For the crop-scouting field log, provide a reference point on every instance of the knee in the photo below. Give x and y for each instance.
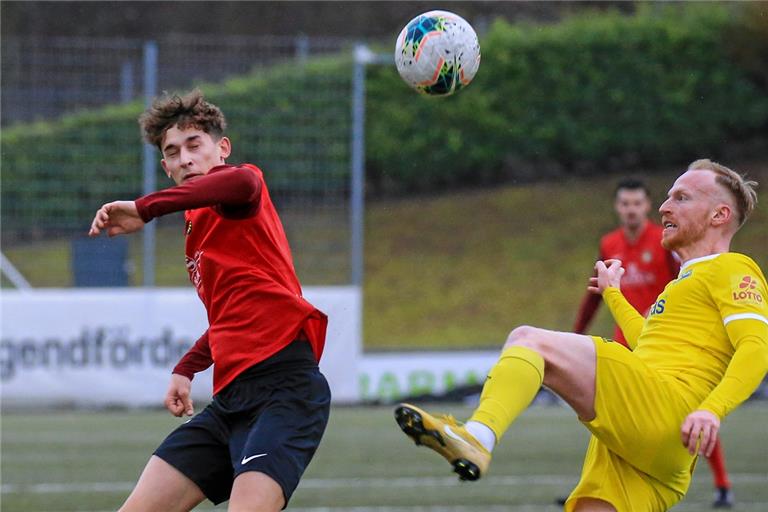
(254, 491)
(524, 335)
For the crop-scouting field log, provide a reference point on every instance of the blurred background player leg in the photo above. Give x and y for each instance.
(723, 492)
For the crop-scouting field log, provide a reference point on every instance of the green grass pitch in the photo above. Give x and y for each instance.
(88, 461)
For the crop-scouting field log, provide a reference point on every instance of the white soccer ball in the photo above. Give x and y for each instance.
(437, 53)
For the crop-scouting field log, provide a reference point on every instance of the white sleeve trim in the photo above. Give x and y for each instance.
(743, 316)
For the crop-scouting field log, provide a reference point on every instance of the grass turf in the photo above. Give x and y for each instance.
(89, 461)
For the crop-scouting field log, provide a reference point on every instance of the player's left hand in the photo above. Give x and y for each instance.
(118, 218)
(700, 424)
(177, 399)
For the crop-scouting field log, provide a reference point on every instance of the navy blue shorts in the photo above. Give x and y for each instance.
(269, 419)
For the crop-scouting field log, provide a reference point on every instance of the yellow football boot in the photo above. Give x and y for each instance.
(445, 436)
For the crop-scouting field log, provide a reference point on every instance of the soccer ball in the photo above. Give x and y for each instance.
(437, 53)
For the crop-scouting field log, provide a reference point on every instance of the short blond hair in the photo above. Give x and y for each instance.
(743, 190)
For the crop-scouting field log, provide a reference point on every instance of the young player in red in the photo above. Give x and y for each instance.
(649, 267)
(270, 402)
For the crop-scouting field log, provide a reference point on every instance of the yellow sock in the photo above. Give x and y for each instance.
(511, 386)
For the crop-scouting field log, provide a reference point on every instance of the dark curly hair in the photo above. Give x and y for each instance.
(185, 111)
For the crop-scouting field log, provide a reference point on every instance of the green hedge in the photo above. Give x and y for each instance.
(593, 91)
(293, 121)
(589, 94)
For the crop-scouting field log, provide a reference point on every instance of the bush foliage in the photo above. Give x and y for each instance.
(590, 94)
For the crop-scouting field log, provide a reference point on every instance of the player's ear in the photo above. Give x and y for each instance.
(225, 146)
(722, 214)
(165, 168)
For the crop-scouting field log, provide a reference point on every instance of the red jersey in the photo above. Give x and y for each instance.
(239, 260)
(648, 268)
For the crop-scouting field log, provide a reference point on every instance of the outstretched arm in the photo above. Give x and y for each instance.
(117, 218)
(236, 190)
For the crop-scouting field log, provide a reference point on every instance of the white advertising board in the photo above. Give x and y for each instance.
(388, 377)
(117, 346)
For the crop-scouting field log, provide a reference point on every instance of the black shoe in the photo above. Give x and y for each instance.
(723, 498)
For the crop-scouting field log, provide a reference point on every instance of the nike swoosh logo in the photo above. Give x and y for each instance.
(246, 460)
(455, 436)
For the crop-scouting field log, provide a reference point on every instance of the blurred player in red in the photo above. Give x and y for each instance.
(270, 402)
(649, 267)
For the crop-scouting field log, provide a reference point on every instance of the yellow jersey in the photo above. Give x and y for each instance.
(708, 330)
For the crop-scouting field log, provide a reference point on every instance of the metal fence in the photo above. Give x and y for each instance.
(71, 142)
(45, 78)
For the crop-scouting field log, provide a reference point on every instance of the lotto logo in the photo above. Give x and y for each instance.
(747, 291)
(747, 282)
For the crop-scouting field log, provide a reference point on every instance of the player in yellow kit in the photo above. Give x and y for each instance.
(701, 352)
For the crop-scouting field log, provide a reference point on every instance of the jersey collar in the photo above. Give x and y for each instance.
(697, 260)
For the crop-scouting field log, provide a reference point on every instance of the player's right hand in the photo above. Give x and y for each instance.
(118, 218)
(609, 274)
(177, 398)
(699, 432)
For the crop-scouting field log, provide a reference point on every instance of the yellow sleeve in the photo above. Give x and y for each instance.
(630, 321)
(747, 368)
(740, 294)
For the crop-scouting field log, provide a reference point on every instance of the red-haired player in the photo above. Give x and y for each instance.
(649, 267)
(270, 402)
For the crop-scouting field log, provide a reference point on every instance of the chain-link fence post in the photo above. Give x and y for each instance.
(148, 162)
(357, 175)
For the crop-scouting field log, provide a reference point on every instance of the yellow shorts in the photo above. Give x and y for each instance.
(635, 459)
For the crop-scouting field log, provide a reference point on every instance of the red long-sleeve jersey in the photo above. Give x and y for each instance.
(649, 267)
(239, 260)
